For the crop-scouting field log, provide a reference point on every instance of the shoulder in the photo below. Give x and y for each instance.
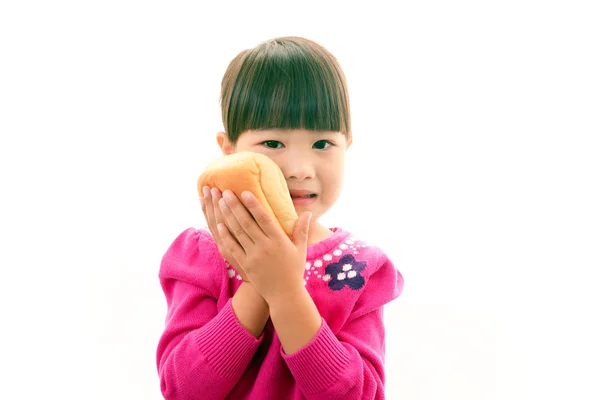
(192, 257)
(383, 280)
(190, 242)
(346, 257)
(362, 266)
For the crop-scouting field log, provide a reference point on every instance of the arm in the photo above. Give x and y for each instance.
(296, 320)
(250, 309)
(203, 352)
(348, 364)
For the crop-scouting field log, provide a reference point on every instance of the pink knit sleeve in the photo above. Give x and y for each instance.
(350, 364)
(203, 351)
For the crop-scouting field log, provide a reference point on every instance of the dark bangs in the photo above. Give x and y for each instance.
(285, 83)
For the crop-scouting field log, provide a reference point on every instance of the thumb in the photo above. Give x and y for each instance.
(300, 234)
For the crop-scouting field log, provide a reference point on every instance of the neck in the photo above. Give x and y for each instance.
(318, 232)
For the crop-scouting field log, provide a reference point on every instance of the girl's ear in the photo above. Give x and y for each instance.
(224, 143)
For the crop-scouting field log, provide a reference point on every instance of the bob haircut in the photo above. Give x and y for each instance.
(285, 83)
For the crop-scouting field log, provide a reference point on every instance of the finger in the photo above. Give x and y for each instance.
(216, 196)
(217, 210)
(218, 214)
(231, 245)
(243, 226)
(265, 222)
(301, 228)
(208, 209)
(213, 215)
(239, 233)
(244, 217)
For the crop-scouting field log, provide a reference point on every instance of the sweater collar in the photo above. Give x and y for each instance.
(326, 245)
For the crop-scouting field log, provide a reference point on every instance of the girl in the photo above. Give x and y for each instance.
(253, 314)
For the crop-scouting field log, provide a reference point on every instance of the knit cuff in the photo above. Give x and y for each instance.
(319, 364)
(226, 344)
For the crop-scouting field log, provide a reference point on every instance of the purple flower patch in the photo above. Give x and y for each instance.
(346, 272)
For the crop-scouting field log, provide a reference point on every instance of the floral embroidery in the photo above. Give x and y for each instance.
(231, 273)
(345, 272)
(338, 274)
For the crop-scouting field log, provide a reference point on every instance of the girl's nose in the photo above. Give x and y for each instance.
(299, 168)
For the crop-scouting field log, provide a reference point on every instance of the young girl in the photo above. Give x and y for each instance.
(253, 314)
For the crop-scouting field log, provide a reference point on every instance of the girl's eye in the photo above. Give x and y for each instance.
(272, 144)
(322, 144)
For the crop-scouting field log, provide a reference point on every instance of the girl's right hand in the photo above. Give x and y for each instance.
(212, 213)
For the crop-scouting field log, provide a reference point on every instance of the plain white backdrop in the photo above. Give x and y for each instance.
(475, 166)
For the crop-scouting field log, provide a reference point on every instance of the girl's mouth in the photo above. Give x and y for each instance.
(304, 200)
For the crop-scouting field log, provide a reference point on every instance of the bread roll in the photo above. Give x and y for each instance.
(258, 174)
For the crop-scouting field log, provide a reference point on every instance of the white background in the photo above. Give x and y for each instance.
(475, 166)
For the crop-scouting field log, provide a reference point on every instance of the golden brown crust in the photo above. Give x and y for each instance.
(257, 174)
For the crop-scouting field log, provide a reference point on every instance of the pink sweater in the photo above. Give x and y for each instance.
(204, 352)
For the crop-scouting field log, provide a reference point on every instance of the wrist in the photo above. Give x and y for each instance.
(287, 299)
(250, 309)
(252, 294)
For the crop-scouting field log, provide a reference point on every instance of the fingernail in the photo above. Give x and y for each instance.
(246, 196)
(205, 191)
(228, 195)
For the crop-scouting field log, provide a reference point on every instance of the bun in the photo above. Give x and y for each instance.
(258, 174)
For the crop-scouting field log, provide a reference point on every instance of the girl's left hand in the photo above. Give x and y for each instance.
(273, 263)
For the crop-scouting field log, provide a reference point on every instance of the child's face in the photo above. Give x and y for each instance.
(310, 161)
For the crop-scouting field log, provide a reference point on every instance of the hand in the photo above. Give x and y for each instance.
(273, 263)
(212, 213)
